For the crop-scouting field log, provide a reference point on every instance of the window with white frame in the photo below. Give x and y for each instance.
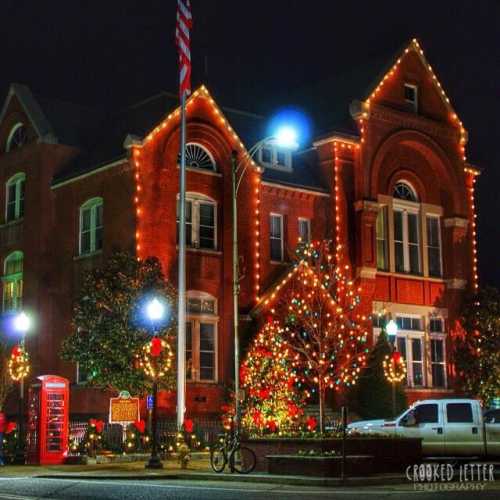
(434, 245)
(14, 200)
(411, 95)
(18, 137)
(381, 232)
(438, 353)
(201, 337)
(276, 237)
(91, 226)
(410, 343)
(273, 156)
(13, 281)
(201, 222)
(304, 230)
(406, 230)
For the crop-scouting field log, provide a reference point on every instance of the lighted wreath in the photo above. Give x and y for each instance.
(19, 363)
(394, 367)
(156, 358)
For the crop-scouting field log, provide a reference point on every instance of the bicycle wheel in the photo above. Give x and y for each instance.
(243, 460)
(218, 459)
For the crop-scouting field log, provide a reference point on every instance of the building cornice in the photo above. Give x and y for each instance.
(456, 222)
(292, 188)
(97, 170)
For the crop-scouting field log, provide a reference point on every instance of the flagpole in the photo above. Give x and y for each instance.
(181, 336)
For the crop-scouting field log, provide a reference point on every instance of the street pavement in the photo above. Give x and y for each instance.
(30, 488)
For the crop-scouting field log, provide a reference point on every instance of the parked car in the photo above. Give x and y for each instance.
(448, 427)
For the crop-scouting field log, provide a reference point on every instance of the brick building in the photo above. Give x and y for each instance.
(386, 173)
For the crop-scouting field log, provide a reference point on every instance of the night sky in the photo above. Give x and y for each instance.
(109, 53)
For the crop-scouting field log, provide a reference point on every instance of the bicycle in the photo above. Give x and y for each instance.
(240, 458)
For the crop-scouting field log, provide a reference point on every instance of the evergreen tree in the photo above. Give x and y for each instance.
(372, 396)
(5, 380)
(477, 351)
(109, 327)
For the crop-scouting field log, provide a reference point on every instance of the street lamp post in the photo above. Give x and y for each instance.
(155, 311)
(22, 324)
(392, 329)
(286, 137)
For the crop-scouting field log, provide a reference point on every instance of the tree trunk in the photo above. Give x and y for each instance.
(321, 406)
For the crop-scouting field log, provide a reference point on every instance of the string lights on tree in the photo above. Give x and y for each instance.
(273, 402)
(323, 326)
(394, 367)
(19, 363)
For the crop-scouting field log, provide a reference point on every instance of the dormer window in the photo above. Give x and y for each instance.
(198, 157)
(411, 96)
(17, 138)
(272, 156)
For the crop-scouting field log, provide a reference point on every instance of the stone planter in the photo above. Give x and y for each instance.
(390, 454)
(299, 465)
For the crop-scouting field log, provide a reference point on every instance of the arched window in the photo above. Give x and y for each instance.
(198, 157)
(91, 226)
(13, 281)
(403, 191)
(406, 229)
(201, 337)
(201, 221)
(14, 199)
(17, 138)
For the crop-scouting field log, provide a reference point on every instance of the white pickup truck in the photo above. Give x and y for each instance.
(448, 427)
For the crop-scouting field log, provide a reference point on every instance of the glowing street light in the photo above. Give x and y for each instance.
(155, 311)
(392, 329)
(286, 137)
(22, 324)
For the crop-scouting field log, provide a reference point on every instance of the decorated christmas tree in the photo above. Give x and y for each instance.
(325, 330)
(477, 350)
(272, 401)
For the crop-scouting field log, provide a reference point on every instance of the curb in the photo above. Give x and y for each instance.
(252, 478)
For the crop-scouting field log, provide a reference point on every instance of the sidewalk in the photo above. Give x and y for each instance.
(197, 470)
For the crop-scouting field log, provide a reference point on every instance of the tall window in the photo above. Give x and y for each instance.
(434, 246)
(14, 204)
(201, 222)
(18, 137)
(438, 358)
(305, 230)
(381, 230)
(410, 342)
(201, 337)
(276, 236)
(91, 226)
(13, 281)
(406, 230)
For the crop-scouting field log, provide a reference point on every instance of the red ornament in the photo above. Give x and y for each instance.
(188, 425)
(311, 424)
(272, 426)
(293, 410)
(257, 417)
(16, 351)
(99, 426)
(140, 425)
(396, 356)
(264, 393)
(10, 427)
(156, 347)
(92, 422)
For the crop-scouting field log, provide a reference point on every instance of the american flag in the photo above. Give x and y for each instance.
(184, 24)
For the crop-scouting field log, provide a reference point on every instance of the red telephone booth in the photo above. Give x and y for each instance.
(48, 421)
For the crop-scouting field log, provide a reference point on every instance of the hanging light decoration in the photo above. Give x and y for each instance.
(394, 367)
(19, 363)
